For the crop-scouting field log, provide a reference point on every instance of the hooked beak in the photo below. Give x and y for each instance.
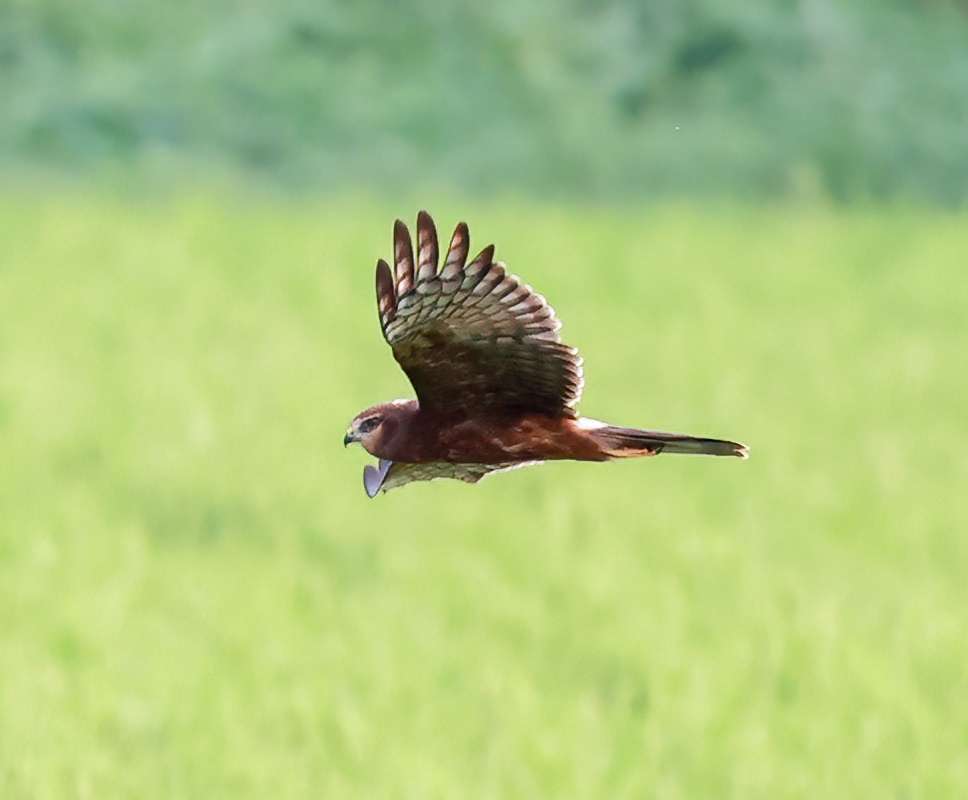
(349, 438)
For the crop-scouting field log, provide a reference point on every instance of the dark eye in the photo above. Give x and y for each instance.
(368, 425)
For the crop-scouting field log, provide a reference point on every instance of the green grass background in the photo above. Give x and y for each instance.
(198, 600)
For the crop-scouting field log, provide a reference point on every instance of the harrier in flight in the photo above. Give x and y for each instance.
(496, 388)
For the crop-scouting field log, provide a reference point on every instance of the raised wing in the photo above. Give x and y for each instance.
(393, 474)
(471, 337)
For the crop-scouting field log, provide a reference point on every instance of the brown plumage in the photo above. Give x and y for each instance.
(496, 388)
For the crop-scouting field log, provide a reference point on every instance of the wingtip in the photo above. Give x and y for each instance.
(371, 481)
(486, 256)
(742, 451)
(461, 235)
(426, 227)
(384, 277)
(373, 477)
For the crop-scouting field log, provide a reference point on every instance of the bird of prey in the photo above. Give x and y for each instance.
(496, 387)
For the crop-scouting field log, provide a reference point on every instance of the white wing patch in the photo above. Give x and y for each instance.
(589, 424)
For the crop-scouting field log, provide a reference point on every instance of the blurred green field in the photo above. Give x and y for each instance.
(197, 599)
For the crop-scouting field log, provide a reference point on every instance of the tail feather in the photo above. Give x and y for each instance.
(632, 442)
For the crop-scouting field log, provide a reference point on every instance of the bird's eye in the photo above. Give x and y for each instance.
(368, 425)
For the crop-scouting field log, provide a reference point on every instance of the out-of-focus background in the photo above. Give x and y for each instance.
(750, 218)
(805, 98)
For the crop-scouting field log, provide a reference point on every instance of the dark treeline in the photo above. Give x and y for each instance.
(844, 99)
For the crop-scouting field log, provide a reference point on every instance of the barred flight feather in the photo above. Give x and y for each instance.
(472, 337)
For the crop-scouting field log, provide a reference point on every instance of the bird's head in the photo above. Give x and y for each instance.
(376, 425)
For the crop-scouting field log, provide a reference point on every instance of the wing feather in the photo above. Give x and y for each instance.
(426, 249)
(472, 337)
(385, 298)
(402, 258)
(460, 244)
(394, 474)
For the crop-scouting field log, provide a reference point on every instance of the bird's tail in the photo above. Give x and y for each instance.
(631, 442)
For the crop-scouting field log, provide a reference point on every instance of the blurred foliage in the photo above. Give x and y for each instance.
(851, 100)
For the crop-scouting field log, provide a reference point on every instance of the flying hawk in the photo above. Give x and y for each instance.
(496, 387)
